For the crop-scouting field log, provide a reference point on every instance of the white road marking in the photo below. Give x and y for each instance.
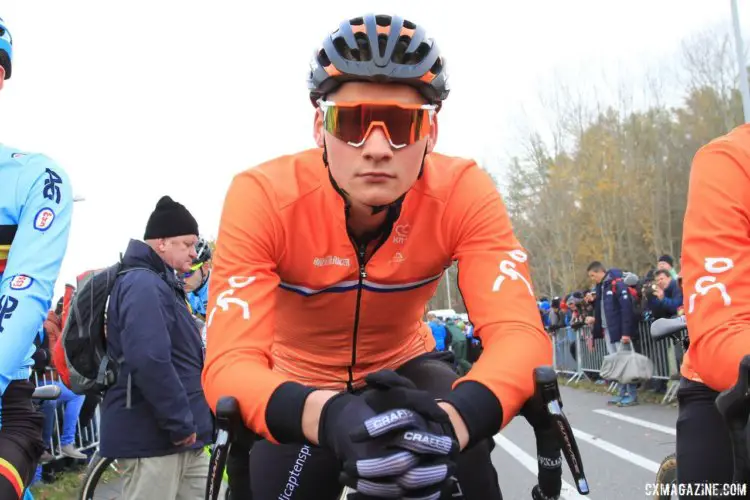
(638, 421)
(631, 457)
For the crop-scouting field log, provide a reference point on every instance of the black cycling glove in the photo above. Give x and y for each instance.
(370, 465)
(428, 433)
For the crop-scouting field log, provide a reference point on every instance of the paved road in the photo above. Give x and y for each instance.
(621, 449)
(109, 491)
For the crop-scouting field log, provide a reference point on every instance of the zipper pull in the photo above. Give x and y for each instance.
(362, 252)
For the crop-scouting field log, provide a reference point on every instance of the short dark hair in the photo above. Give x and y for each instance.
(596, 266)
(662, 271)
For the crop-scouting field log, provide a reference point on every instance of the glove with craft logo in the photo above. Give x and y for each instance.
(370, 464)
(424, 430)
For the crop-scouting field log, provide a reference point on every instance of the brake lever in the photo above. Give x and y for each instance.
(545, 380)
(228, 418)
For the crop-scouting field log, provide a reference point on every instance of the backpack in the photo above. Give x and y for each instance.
(635, 297)
(90, 370)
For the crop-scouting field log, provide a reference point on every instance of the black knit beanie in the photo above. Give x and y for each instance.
(170, 219)
(668, 259)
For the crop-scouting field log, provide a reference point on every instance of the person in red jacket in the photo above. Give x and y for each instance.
(71, 402)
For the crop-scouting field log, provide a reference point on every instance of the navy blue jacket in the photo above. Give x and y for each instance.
(668, 306)
(618, 307)
(158, 398)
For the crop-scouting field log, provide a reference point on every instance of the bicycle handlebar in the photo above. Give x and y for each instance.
(228, 424)
(667, 327)
(547, 396)
(734, 406)
(46, 393)
(547, 390)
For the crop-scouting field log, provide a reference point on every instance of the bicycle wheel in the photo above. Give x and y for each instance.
(667, 475)
(94, 471)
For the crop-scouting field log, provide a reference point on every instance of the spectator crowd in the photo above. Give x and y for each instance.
(613, 309)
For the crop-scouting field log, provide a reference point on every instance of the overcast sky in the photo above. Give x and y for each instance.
(137, 99)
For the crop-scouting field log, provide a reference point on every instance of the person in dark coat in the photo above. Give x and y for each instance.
(666, 299)
(155, 419)
(613, 319)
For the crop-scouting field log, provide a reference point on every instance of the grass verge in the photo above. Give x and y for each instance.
(67, 484)
(644, 396)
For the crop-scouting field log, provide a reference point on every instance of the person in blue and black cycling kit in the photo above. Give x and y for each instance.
(36, 206)
(196, 280)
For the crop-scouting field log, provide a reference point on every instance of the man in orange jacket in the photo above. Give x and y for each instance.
(324, 262)
(716, 286)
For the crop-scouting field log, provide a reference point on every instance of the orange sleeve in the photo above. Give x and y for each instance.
(493, 276)
(716, 262)
(240, 321)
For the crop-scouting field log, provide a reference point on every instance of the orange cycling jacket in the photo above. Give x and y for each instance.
(295, 306)
(716, 260)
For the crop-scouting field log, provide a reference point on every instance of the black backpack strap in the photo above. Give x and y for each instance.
(129, 269)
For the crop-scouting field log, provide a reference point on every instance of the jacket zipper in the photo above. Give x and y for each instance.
(361, 249)
(361, 253)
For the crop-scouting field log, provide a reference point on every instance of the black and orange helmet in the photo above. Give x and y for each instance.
(379, 48)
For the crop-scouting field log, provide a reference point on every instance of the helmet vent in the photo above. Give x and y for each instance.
(435, 69)
(323, 58)
(383, 20)
(363, 53)
(382, 44)
(399, 51)
(421, 52)
(343, 49)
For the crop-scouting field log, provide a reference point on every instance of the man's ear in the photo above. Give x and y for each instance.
(432, 138)
(318, 131)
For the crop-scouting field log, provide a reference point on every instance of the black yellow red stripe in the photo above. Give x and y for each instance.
(4, 251)
(11, 474)
(7, 234)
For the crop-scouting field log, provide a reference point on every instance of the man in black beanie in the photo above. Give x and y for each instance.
(666, 263)
(172, 232)
(155, 419)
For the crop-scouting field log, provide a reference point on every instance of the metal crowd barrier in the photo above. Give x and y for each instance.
(87, 436)
(578, 355)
